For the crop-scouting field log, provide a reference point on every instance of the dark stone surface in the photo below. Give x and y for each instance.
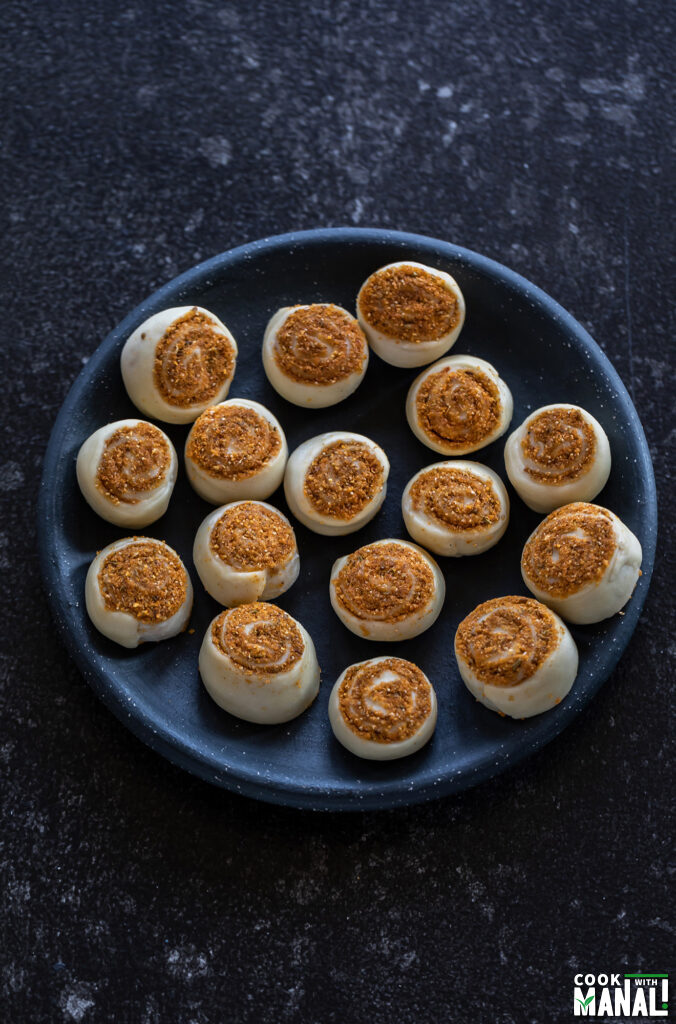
(136, 142)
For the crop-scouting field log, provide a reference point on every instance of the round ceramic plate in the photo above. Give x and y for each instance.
(543, 354)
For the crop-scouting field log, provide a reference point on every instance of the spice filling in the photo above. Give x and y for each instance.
(456, 408)
(558, 446)
(193, 360)
(134, 462)
(144, 579)
(456, 498)
(251, 537)
(570, 549)
(259, 638)
(409, 304)
(233, 442)
(320, 344)
(342, 479)
(506, 640)
(385, 583)
(385, 702)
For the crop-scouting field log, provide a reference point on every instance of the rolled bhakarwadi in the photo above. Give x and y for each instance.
(410, 313)
(388, 590)
(178, 362)
(559, 454)
(383, 709)
(315, 355)
(336, 483)
(456, 508)
(516, 656)
(235, 450)
(583, 562)
(459, 405)
(259, 663)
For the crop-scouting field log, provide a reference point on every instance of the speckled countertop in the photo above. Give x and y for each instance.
(138, 141)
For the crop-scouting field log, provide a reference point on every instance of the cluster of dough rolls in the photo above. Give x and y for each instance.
(515, 654)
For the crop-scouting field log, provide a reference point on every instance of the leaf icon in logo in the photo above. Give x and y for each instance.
(585, 1002)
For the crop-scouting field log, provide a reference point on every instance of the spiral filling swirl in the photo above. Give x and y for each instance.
(457, 407)
(250, 537)
(456, 498)
(409, 304)
(145, 579)
(385, 583)
(385, 701)
(134, 463)
(233, 442)
(343, 479)
(193, 360)
(320, 344)
(505, 641)
(570, 549)
(558, 446)
(259, 638)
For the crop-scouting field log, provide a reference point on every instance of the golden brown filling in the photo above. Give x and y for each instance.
(385, 582)
(559, 446)
(233, 442)
(320, 344)
(385, 702)
(250, 537)
(409, 304)
(456, 498)
(343, 479)
(457, 408)
(144, 579)
(570, 549)
(135, 460)
(506, 640)
(193, 361)
(260, 638)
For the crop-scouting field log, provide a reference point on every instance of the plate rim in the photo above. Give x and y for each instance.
(169, 743)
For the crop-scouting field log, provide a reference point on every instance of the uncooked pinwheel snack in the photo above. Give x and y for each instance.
(516, 656)
(235, 450)
(583, 562)
(315, 355)
(179, 362)
(459, 405)
(411, 314)
(127, 471)
(383, 709)
(246, 552)
(138, 590)
(388, 590)
(336, 483)
(259, 663)
(456, 508)
(558, 455)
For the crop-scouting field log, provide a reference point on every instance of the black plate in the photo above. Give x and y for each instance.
(543, 354)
